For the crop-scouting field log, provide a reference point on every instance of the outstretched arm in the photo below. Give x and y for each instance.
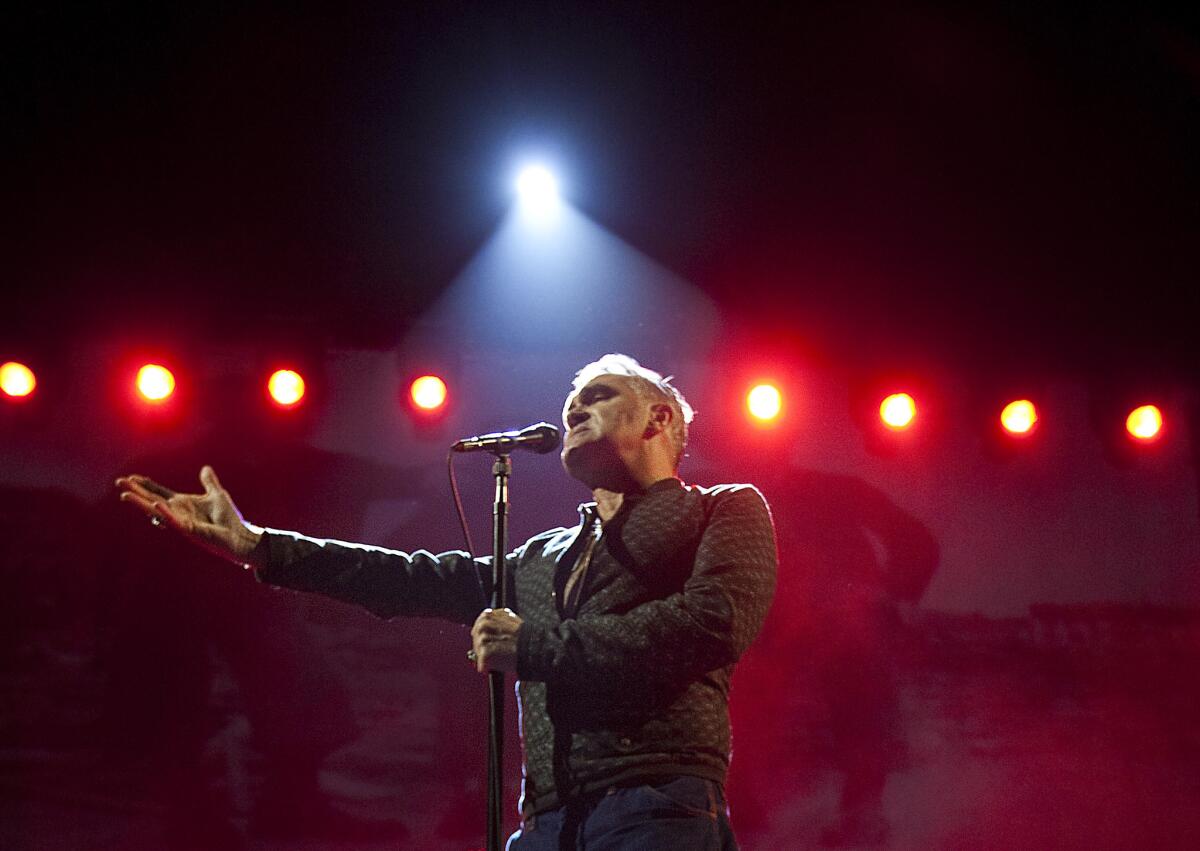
(210, 519)
(386, 582)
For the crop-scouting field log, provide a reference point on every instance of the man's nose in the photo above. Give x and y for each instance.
(575, 416)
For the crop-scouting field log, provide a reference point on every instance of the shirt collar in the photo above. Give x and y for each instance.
(588, 513)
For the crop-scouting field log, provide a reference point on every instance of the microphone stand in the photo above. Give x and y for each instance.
(501, 470)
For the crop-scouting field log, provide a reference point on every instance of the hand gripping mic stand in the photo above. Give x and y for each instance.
(501, 470)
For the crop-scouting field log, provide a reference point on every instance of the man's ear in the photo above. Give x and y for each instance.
(660, 419)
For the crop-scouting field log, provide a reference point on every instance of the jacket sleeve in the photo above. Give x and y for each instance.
(388, 583)
(706, 626)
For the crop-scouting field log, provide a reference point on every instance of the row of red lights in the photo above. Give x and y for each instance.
(898, 412)
(155, 384)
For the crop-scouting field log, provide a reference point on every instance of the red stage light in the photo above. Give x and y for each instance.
(1019, 417)
(764, 402)
(898, 411)
(1144, 423)
(428, 393)
(17, 380)
(155, 383)
(286, 387)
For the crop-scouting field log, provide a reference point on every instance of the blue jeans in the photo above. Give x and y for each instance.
(673, 814)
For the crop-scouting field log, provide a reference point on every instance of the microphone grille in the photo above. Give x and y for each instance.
(551, 438)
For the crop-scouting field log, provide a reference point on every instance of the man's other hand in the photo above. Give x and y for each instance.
(494, 640)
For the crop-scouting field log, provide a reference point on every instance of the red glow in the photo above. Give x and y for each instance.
(428, 393)
(286, 387)
(898, 411)
(17, 381)
(155, 383)
(764, 402)
(1144, 423)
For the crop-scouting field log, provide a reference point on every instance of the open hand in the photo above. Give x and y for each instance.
(208, 519)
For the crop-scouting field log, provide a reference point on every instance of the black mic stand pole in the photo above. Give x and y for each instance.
(501, 470)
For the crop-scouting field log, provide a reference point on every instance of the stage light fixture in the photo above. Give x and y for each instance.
(898, 411)
(1144, 423)
(537, 187)
(155, 383)
(286, 387)
(764, 402)
(1019, 417)
(428, 393)
(17, 381)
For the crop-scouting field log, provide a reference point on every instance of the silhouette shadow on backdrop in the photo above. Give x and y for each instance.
(853, 565)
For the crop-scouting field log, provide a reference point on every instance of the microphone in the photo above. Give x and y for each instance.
(539, 437)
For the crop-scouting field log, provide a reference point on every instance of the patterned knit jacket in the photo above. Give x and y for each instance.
(633, 684)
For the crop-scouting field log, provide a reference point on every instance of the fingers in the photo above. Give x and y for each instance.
(140, 502)
(149, 497)
(208, 478)
(152, 507)
(492, 622)
(479, 631)
(485, 652)
(494, 640)
(168, 518)
(141, 491)
(145, 485)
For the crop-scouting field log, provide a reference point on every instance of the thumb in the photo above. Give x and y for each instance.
(208, 478)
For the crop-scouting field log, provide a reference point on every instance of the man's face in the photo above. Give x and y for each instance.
(606, 422)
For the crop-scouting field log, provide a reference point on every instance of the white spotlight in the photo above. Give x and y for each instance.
(537, 188)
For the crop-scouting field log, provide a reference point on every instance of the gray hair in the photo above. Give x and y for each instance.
(650, 386)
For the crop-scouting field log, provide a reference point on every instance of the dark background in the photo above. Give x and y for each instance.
(999, 181)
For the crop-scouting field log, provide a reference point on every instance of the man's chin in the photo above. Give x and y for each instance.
(584, 463)
(575, 464)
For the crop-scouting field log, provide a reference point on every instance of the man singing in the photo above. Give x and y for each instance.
(623, 632)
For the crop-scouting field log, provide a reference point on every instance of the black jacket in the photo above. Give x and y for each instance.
(636, 683)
